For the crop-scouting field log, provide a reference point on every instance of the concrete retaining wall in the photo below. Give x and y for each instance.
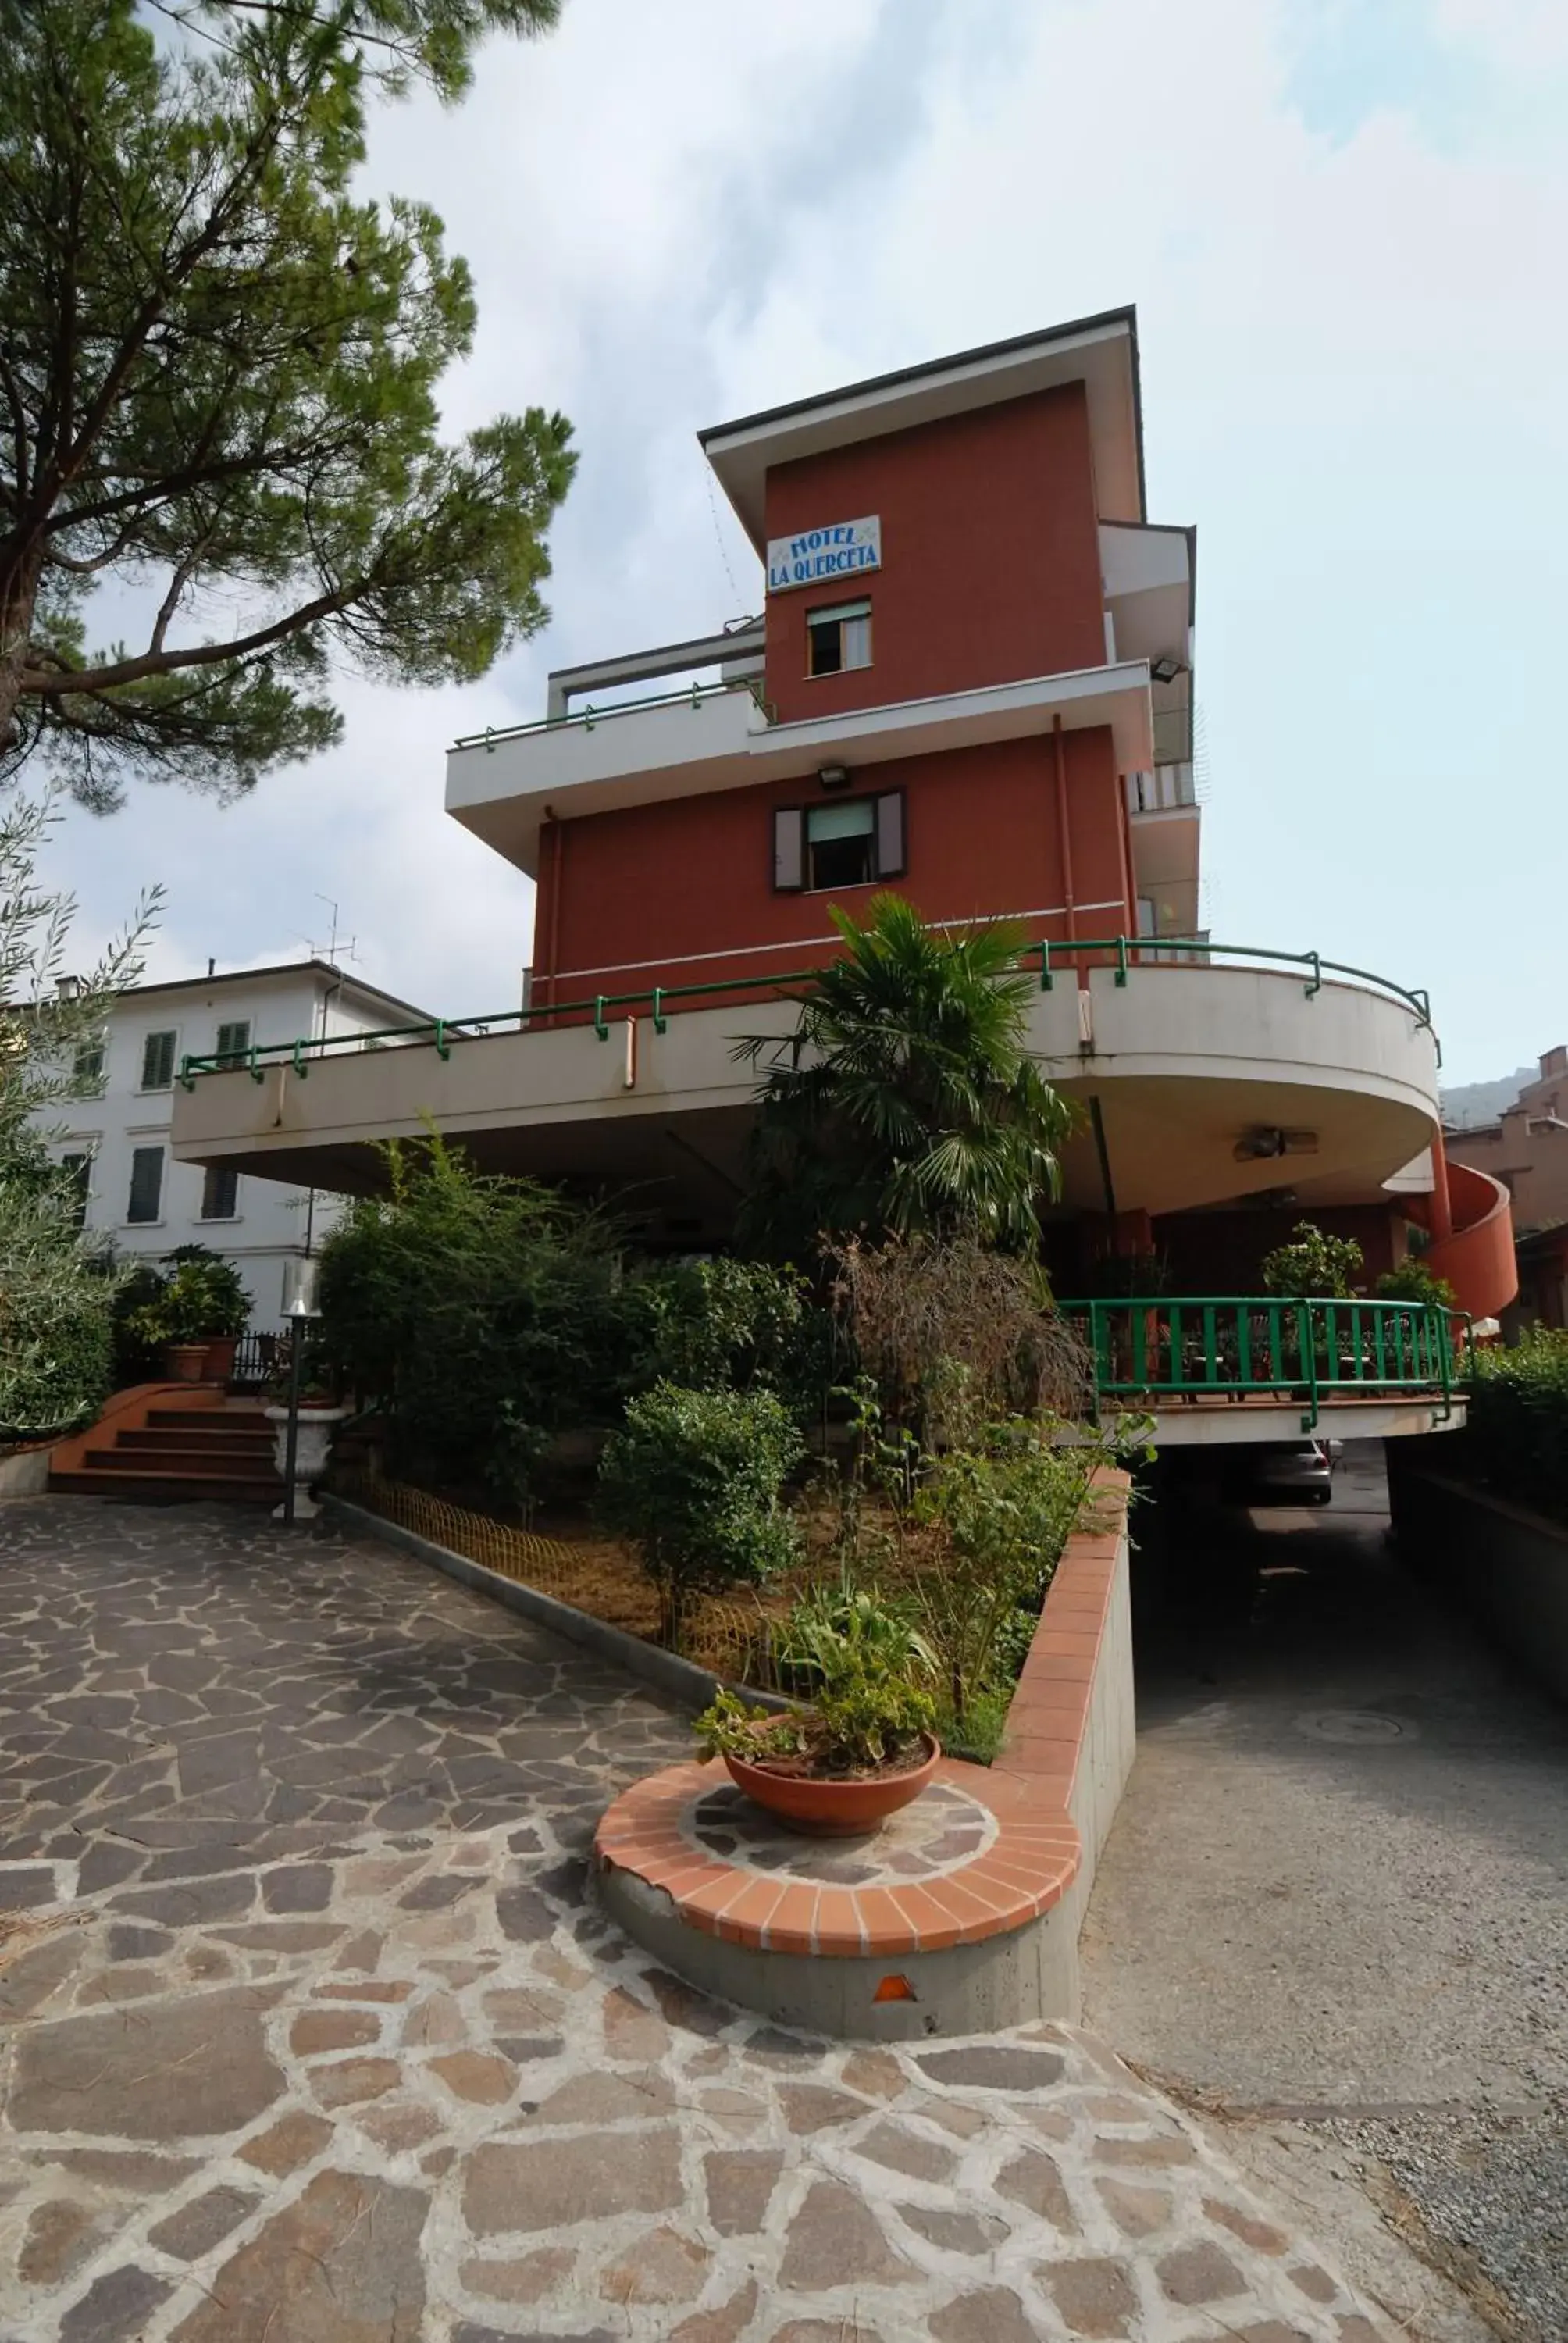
(691, 1687)
(1504, 1563)
(25, 1473)
(1073, 1724)
(1109, 1742)
(1029, 1974)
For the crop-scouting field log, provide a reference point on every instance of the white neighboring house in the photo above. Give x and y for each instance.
(118, 1140)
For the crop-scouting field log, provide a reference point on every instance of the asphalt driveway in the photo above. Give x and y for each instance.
(1334, 1905)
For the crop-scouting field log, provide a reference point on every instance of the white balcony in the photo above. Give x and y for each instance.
(1196, 1066)
(718, 736)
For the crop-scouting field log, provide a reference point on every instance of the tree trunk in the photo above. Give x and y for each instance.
(19, 572)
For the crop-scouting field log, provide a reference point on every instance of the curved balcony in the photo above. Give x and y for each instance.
(1206, 1075)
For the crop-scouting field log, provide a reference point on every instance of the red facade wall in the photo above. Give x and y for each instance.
(681, 893)
(990, 554)
(1221, 1253)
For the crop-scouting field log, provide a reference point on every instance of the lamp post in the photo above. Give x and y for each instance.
(300, 1279)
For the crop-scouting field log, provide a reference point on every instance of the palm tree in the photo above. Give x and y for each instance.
(906, 1099)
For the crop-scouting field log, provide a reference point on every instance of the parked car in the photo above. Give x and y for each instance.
(1284, 1472)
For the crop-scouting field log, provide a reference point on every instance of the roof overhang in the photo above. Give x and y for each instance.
(1101, 352)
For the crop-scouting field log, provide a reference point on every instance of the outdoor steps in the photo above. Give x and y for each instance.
(179, 1440)
(162, 1452)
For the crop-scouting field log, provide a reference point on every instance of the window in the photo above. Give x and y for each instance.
(219, 1193)
(233, 1040)
(88, 1066)
(78, 1168)
(850, 842)
(159, 1061)
(1148, 917)
(147, 1182)
(838, 638)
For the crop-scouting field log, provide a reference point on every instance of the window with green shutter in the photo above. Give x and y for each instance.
(233, 1040)
(220, 1192)
(159, 1061)
(78, 1168)
(146, 1183)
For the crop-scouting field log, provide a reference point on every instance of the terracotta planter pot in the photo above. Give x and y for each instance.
(833, 1809)
(220, 1350)
(185, 1362)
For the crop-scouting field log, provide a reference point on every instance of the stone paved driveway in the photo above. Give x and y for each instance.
(314, 2036)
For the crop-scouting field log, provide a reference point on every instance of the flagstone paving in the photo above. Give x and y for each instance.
(316, 2035)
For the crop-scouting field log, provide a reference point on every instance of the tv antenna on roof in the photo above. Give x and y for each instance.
(348, 945)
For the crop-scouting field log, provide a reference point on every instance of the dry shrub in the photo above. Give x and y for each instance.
(918, 1307)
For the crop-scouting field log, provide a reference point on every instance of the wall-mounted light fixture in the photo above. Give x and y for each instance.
(1166, 668)
(1263, 1142)
(833, 777)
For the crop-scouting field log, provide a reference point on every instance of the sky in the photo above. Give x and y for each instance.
(1344, 223)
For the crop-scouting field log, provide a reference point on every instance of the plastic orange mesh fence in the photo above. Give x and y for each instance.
(731, 1638)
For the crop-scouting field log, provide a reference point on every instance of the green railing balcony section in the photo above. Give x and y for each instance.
(1157, 1347)
(1050, 963)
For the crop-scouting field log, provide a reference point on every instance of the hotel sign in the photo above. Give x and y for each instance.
(819, 556)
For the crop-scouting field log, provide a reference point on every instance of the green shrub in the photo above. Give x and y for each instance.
(694, 1478)
(1517, 1437)
(979, 1735)
(721, 1323)
(1313, 1264)
(56, 1346)
(479, 1313)
(1003, 1506)
(865, 1670)
(138, 1359)
(1413, 1281)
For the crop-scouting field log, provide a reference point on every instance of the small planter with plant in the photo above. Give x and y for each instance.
(860, 1745)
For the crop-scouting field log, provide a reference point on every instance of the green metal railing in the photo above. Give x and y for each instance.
(1239, 1346)
(1126, 954)
(1123, 953)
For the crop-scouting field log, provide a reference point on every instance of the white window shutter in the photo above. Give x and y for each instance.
(789, 850)
(890, 835)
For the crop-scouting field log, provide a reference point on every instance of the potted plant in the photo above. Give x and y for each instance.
(838, 1764)
(196, 1315)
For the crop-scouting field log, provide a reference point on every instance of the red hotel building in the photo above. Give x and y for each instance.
(971, 682)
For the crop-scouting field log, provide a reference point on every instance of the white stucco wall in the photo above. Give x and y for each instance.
(272, 1221)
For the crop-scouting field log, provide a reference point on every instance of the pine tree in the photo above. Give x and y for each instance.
(218, 388)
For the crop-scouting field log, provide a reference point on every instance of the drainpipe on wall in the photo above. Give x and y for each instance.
(553, 925)
(327, 998)
(1124, 838)
(1064, 832)
(1442, 1209)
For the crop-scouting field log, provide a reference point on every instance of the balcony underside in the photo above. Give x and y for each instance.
(1193, 1069)
(1221, 1424)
